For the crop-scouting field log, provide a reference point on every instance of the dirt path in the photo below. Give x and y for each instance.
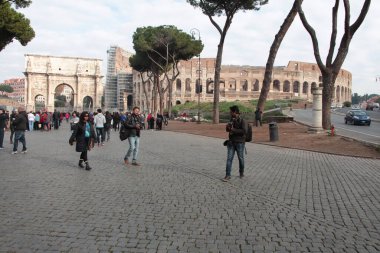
(291, 135)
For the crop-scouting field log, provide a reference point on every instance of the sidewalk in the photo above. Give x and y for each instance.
(291, 135)
(289, 200)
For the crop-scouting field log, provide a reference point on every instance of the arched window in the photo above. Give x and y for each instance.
(286, 86)
(276, 85)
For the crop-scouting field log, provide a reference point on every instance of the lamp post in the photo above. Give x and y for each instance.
(198, 86)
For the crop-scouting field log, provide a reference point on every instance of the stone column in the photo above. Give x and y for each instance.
(28, 89)
(50, 95)
(316, 126)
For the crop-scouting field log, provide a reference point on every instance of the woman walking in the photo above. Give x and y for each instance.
(84, 135)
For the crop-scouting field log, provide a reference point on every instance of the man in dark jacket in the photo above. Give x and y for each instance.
(134, 125)
(20, 125)
(3, 123)
(237, 129)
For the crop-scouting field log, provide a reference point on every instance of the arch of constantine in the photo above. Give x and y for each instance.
(295, 80)
(76, 81)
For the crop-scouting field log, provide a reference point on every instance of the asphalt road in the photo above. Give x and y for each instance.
(369, 134)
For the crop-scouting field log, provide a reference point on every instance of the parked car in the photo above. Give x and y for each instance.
(357, 117)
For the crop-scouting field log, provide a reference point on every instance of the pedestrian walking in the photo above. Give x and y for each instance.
(99, 121)
(83, 135)
(20, 124)
(12, 117)
(31, 119)
(134, 126)
(3, 124)
(108, 126)
(56, 116)
(237, 129)
(74, 120)
(258, 115)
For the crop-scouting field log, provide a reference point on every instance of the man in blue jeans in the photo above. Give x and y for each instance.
(133, 124)
(237, 129)
(20, 125)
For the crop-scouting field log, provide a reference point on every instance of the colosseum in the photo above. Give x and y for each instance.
(245, 82)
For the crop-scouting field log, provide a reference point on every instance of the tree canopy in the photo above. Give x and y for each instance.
(156, 46)
(158, 50)
(5, 88)
(14, 25)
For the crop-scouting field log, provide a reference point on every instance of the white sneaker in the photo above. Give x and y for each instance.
(24, 151)
(14, 152)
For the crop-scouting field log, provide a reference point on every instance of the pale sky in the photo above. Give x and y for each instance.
(87, 28)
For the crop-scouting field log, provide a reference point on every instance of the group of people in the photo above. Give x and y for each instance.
(95, 127)
(89, 128)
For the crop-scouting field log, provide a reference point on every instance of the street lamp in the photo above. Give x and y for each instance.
(198, 85)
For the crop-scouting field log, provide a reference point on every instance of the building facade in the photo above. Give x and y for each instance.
(79, 79)
(18, 85)
(295, 80)
(119, 84)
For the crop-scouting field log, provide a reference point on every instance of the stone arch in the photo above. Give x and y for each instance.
(244, 85)
(88, 104)
(178, 85)
(337, 94)
(305, 88)
(188, 84)
(232, 84)
(255, 86)
(64, 97)
(222, 85)
(320, 85)
(313, 85)
(296, 87)
(177, 102)
(276, 85)
(39, 102)
(210, 86)
(286, 87)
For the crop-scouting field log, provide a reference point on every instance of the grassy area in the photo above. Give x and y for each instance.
(246, 108)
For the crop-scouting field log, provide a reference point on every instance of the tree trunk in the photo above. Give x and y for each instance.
(218, 66)
(328, 89)
(170, 98)
(272, 55)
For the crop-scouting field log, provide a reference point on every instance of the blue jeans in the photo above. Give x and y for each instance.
(100, 132)
(231, 148)
(134, 143)
(19, 136)
(31, 124)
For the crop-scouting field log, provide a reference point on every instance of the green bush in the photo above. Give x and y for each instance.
(347, 104)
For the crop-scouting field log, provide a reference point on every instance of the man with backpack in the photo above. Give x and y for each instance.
(237, 129)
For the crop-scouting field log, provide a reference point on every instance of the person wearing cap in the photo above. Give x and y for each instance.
(237, 129)
(20, 125)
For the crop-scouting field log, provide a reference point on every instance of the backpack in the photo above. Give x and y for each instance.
(248, 134)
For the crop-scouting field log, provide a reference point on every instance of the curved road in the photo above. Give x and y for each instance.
(370, 134)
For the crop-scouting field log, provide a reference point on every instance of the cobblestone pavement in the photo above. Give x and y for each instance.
(289, 201)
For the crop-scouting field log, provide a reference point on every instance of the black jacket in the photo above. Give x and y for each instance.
(79, 135)
(20, 122)
(238, 131)
(3, 120)
(131, 123)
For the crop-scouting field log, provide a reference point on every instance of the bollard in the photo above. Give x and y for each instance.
(273, 131)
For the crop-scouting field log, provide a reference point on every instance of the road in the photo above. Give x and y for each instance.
(369, 134)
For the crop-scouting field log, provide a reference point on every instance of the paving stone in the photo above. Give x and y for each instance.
(289, 200)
